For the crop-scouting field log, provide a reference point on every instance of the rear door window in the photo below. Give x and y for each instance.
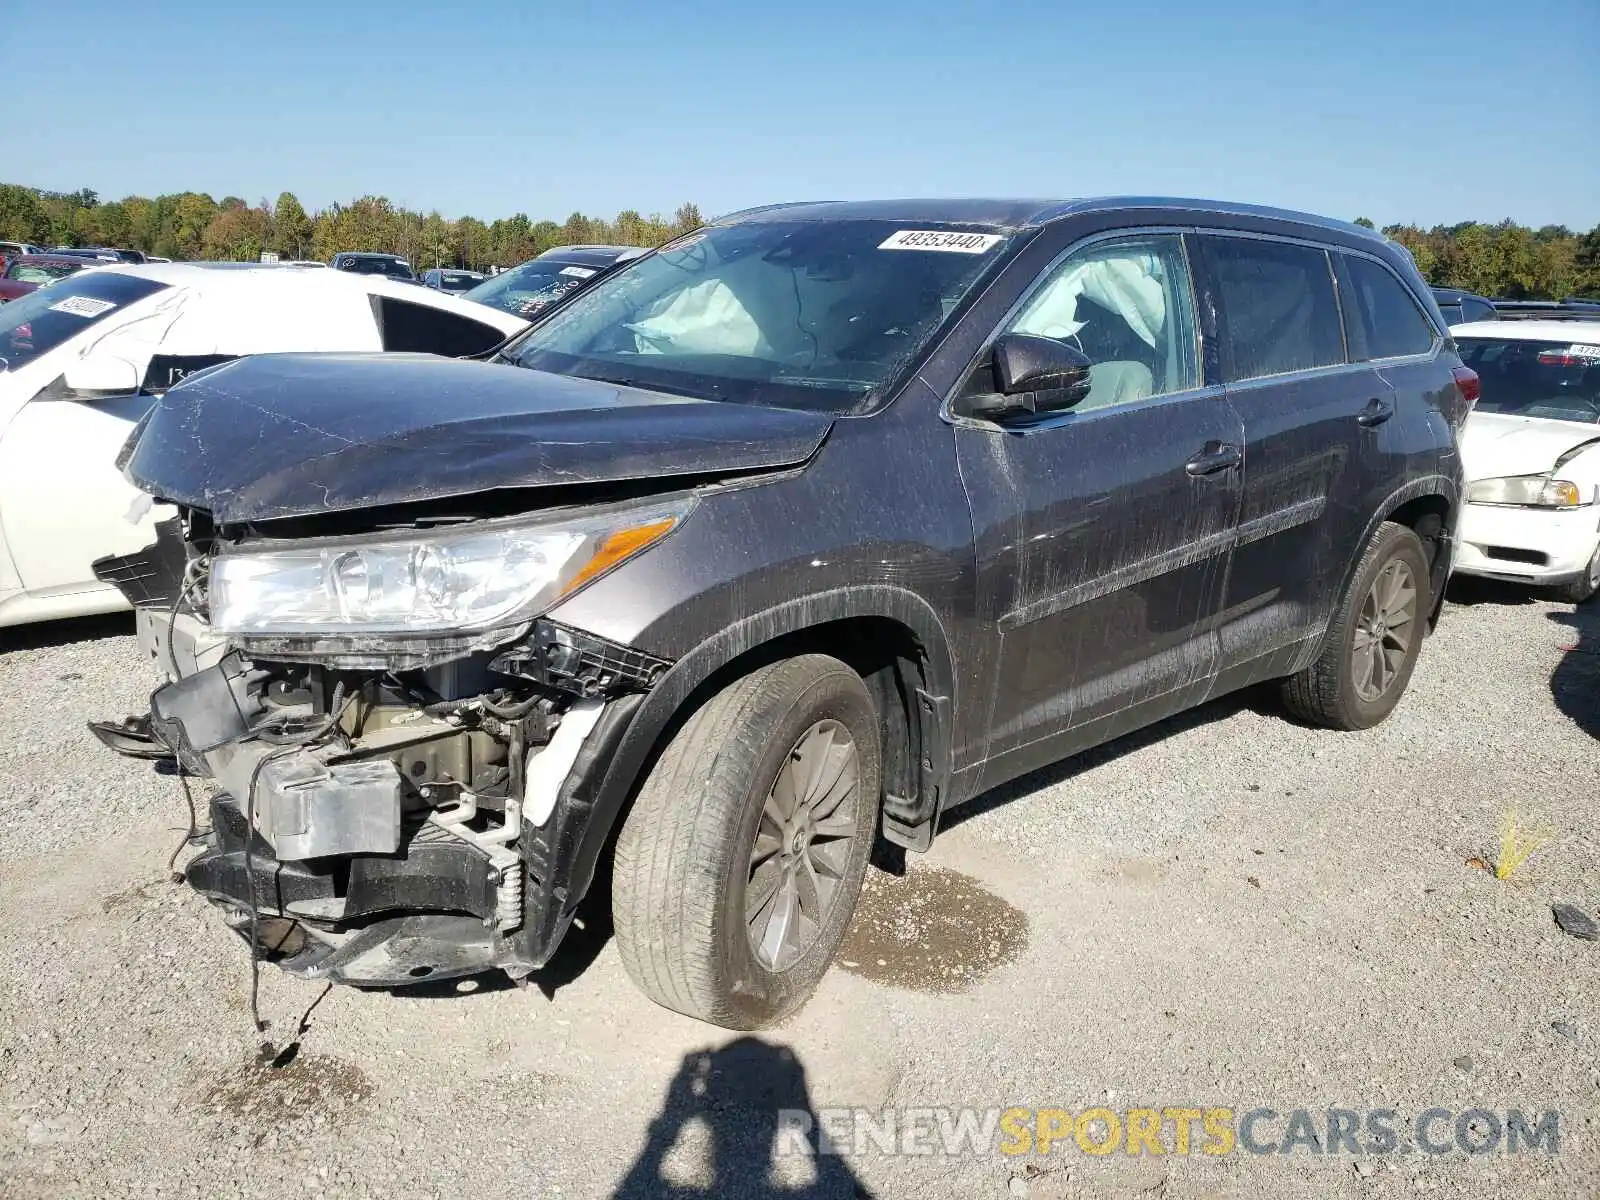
(1381, 317)
(1278, 306)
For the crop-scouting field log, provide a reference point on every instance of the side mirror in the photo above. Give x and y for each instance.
(100, 375)
(1034, 375)
(1026, 364)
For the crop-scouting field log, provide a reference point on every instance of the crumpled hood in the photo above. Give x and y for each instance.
(289, 435)
(1495, 444)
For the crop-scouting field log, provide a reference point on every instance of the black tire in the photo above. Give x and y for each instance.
(1580, 591)
(683, 858)
(1327, 692)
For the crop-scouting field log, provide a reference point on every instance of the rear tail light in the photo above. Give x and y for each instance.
(1468, 389)
(1557, 358)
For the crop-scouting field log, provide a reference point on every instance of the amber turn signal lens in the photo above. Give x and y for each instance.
(615, 547)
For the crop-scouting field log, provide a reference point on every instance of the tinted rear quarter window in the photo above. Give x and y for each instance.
(1477, 310)
(1382, 318)
(1279, 312)
(429, 330)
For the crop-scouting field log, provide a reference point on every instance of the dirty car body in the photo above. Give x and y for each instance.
(999, 477)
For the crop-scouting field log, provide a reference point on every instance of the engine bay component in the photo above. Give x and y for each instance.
(495, 842)
(203, 711)
(380, 826)
(309, 809)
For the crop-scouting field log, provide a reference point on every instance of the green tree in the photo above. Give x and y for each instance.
(471, 238)
(192, 212)
(437, 249)
(578, 230)
(237, 233)
(113, 226)
(22, 217)
(688, 219)
(142, 223)
(545, 235)
(1365, 222)
(1586, 264)
(291, 228)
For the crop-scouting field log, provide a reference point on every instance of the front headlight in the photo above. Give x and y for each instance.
(441, 582)
(1529, 491)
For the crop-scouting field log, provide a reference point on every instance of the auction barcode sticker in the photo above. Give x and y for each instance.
(83, 306)
(937, 239)
(577, 272)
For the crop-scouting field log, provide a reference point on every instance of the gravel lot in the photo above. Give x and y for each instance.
(1229, 910)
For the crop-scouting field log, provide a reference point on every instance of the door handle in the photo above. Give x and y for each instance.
(1377, 411)
(1217, 456)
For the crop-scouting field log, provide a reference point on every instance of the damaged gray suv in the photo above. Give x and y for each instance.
(787, 537)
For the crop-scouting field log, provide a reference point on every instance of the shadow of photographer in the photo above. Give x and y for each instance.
(739, 1092)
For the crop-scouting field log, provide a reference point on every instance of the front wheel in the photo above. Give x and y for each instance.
(738, 868)
(1581, 590)
(1374, 640)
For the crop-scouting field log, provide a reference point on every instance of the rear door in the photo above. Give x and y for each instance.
(1388, 330)
(1305, 411)
(1103, 531)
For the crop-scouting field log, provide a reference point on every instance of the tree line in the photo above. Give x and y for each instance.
(192, 225)
(1504, 259)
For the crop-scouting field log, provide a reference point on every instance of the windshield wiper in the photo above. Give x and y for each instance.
(629, 381)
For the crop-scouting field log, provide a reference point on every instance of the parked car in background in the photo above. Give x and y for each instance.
(18, 249)
(102, 254)
(1460, 307)
(391, 266)
(555, 276)
(1532, 455)
(89, 255)
(1573, 308)
(810, 525)
(82, 360)
(448, 279)
(29, 272)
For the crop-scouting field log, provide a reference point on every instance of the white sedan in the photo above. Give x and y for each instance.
(1531, 449)
(82, 359)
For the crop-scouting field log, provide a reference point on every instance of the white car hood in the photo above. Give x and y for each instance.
(1495, 444)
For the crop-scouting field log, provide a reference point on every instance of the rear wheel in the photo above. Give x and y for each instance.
(738, 869)
(1374, 640)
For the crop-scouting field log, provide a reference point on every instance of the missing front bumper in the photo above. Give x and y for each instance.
(427, 911)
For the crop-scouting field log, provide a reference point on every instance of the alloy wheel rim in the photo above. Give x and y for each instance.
(1384, 630)
(802, 845)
